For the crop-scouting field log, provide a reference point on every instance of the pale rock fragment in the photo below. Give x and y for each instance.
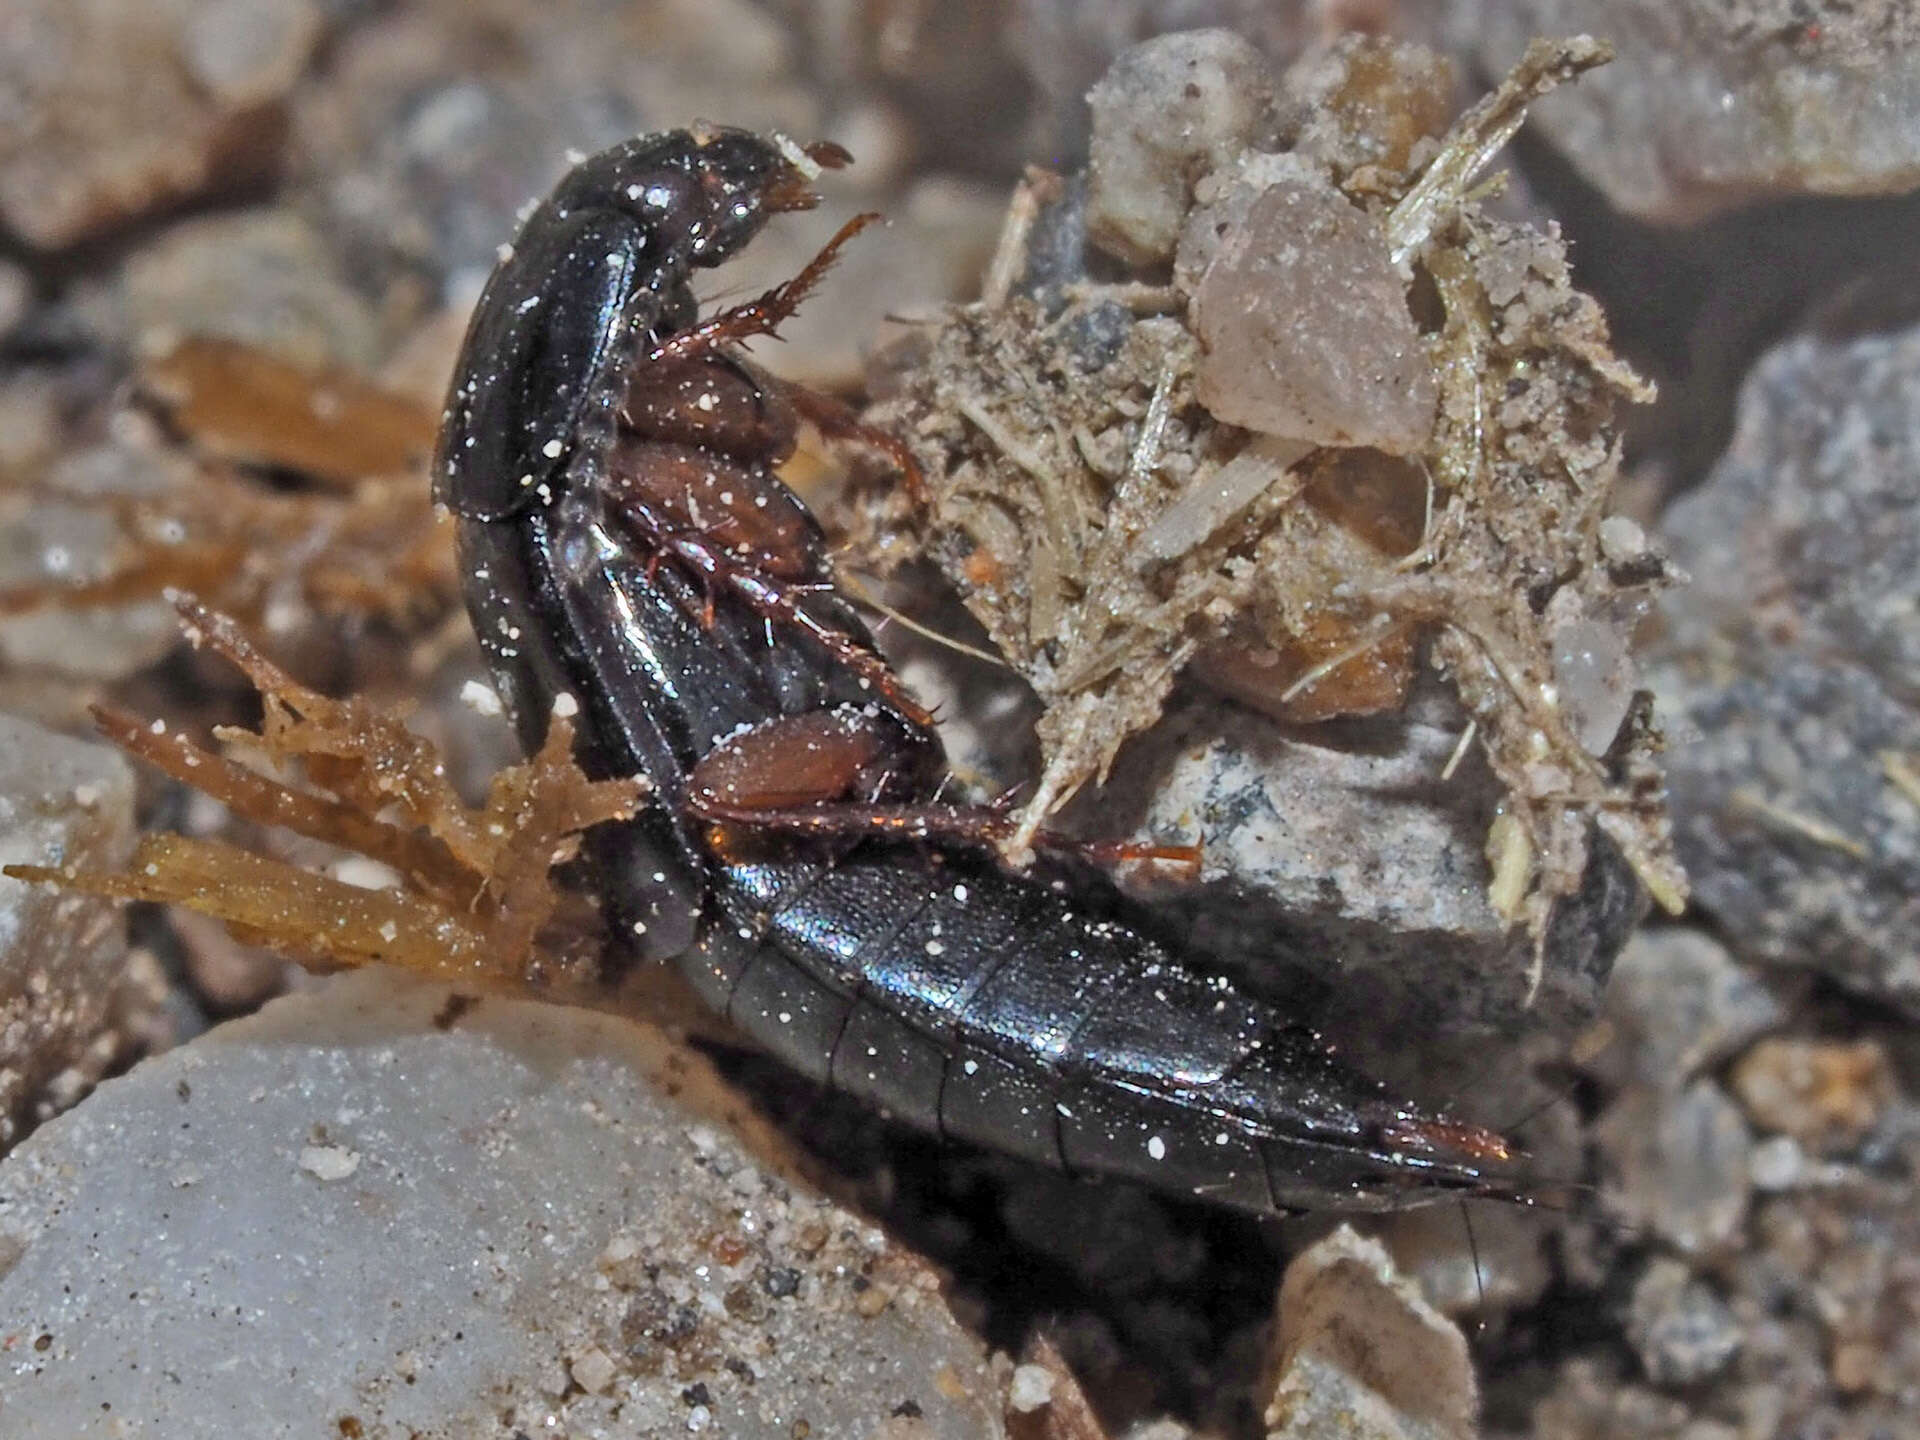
(1207, 504)
(262, 276)
(1480, 1257)
(1031, 1389)
(1827, 1094)
(62, 956)
(1222, 202)
(1677, 1005)
(530, 1242)
(1593, 674)
(1714, 104)
(1305, 329)
(1683, 1333)
(1362, 1356)
(1169, 112)
(328, 1163)
(114, 111)
(47, 542)
(1792, 664)
(1678, 1166)
(16, 296)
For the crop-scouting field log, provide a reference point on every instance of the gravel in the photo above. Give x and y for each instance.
(1792, 662)
(378, 1205)
(1680, 1005)
(113, 112)
(1718, 102)
(1361, 1356)
(62, 957)
(1682, 1332)
(1678, 1166)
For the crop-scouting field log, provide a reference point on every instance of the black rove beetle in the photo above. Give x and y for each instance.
(629, 553)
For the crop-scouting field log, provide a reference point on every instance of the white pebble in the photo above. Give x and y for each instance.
(1031, 1389)
(329, 1162)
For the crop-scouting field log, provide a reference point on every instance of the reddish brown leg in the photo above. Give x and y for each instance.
(797, 774)
(837, 421)
(832, 418)
(773, 599)
(758, 317)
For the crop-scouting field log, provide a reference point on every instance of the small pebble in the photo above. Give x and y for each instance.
(1681, 1004)
(534, 1193)
(480, 697)
(1305, 325)
(1791, 664)
(115, 111)
(1167, 111)
(1678, 1165)
(1031, 1388)
(62, 958)
(1711, 106)
(1825, 1094)
(593, 1370)
(1360, 1354)
(1777, 1163)
(329, 1162)
(1682, 1331)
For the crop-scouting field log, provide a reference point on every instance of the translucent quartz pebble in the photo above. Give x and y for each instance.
(1305, 327)
(1596, 679)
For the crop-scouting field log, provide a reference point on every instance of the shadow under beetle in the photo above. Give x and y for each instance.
(627, 550)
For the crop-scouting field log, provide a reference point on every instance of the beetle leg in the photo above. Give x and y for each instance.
(775, 599)
(836, 421)
(814, 757)
(758, 317)
(976, 826)
(825, 774)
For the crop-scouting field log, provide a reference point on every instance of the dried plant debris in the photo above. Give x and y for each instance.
(1334, 415)
(246, 405)
(355, 534)
(473, 891)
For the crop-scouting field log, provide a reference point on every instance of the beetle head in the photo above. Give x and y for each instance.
(744, 179)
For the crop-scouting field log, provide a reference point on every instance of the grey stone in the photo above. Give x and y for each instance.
(264, 276)
(62, 802)
(1472, 1258)
(1064, 46)
(1677, 1165)
(1338, 853)
(1680, 1004)
(1682, 1331)
(1718, 102)
(1362, 1356)
(47, 542)
(31, 425)
(1824, 1298)
(16, 295)
(366, 1205)
(1166, 113)
(1304, 325)
(432, 130)
(1790, 667)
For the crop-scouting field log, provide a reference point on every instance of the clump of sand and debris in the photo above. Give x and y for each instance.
(1268, 395)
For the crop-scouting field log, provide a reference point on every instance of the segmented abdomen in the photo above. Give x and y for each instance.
(994, 1010)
